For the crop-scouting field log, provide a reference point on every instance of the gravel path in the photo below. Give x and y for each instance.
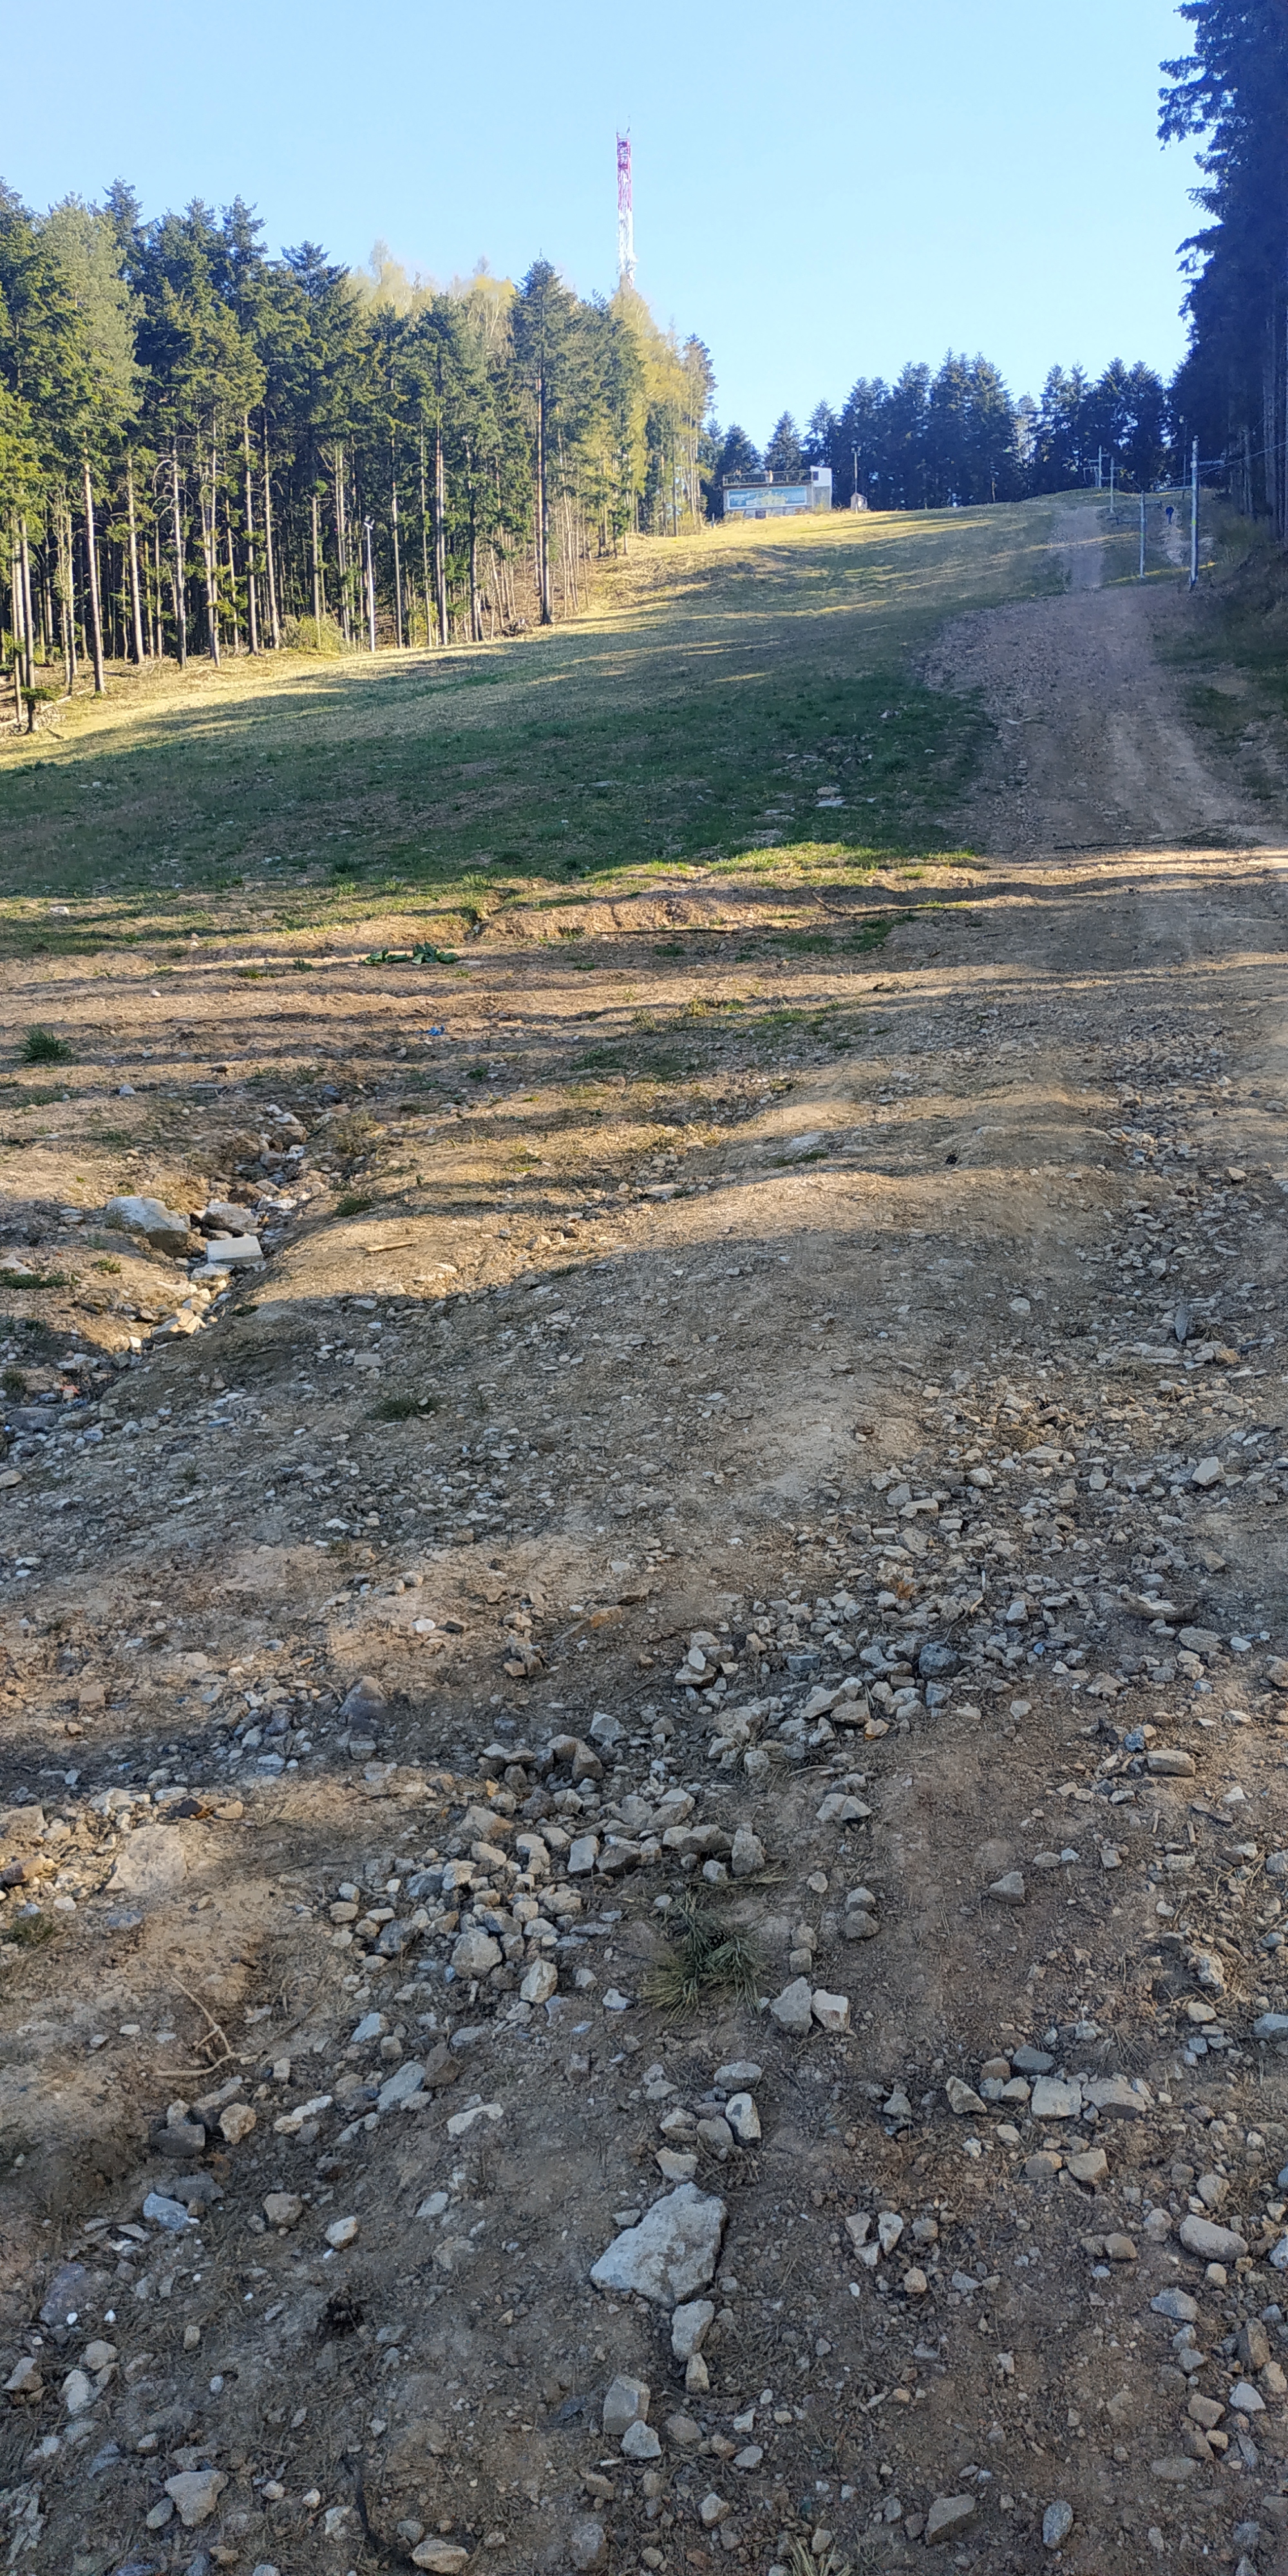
(1093, 751)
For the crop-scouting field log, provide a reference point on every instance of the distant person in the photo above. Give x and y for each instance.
(1171, 512)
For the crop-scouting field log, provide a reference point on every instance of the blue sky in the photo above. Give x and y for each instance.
(818, 194)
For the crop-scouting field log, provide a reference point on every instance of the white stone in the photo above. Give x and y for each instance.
(461, 2122)
(671, 2253)
(150, 1864)
(539, 1982)
(196, 2492)
(831, 2012)
(341, 2232)
(748, 1854)
(743, 2119)
(1054, 2099)
(640, 2442)
(78, 2392)
(690, 2325)
(163, 1228)
(792, 2009)
(1211, 2243)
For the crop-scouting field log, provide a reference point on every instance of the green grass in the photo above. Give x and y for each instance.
(40, 1046)
(703, 1960)
(693, 717)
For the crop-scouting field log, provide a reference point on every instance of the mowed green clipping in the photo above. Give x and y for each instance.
(725, 690)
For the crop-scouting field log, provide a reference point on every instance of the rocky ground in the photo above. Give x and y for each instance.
(644, 1837)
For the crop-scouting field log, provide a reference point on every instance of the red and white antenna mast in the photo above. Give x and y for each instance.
(625, 214)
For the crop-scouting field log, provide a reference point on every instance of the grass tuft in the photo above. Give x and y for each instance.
(40, 1046)
(704, 1960)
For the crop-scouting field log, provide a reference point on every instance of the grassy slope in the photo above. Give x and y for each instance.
(717, 687)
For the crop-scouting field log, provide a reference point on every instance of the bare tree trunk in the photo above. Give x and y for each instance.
(393, 513)
(317, 571)
(91, 561)
(252, 604)
(66, 595)
(270, 553)
(136, 602)
(180, 568)
(157, 640)
(28, 621)
(440, 534)
(476, 614)
(232, 574)
(15, 598)
(341, 549)
(424, 537)
(209, 542)
(543, 521)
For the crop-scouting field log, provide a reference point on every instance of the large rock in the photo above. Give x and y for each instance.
(365, 1700)
(948, 2515)
(1112, 2095)
(626, 2402)
(1211, 2243)
(476, 1953)
(150, 1865)
(160, 1227)
(671, 2254)
(1055, 2099)
(196, 2492)
(793, 2010)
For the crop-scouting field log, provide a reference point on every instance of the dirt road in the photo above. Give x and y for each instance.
(1093, 750)
(730, 1678)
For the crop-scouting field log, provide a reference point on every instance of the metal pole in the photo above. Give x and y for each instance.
(1112, 462)
(1141, 574)
(1194, 514)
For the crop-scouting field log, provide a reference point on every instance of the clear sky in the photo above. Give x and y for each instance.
(819, 193)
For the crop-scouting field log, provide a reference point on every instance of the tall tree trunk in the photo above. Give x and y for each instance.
(210, 555)
(440, 533)
(91, 563)
(252, 605)
(270, 551)
(424, 537)
(232, 573)
(317, 572)
(15, 620)
(28, 621)
(136, 602)
(476, 613)
(209, 541)
(180, 567)
(155, 590)
(341, 549)
(66, 596)
(543, 522)
(393, 521)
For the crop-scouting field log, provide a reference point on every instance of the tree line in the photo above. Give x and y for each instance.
(1231, 96)
(206, 450)
(929, 440)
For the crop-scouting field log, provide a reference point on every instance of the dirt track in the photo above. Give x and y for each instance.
(1093, 749)
(866, 1368)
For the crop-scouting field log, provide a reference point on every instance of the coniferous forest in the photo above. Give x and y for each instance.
(205, 449)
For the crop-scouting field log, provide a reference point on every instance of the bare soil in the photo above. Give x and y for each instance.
(790, 1291)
